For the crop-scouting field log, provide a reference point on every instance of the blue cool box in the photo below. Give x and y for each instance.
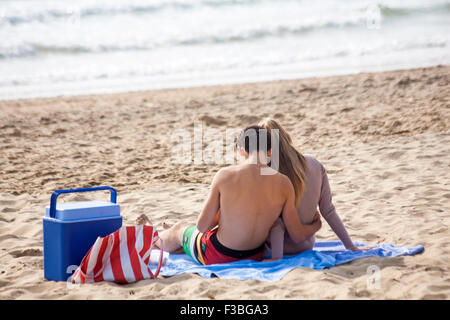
(70, 230)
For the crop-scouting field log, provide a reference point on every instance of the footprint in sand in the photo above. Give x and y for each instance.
(387, 195)
(247, 119)
(395, 155)
(8, 210)
(218, 121)
(30, 252)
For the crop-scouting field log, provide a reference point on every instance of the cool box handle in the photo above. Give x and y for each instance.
(56, 193)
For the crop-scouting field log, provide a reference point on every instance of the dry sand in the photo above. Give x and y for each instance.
(384, 138)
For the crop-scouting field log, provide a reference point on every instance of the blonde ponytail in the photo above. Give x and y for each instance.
(291, 162)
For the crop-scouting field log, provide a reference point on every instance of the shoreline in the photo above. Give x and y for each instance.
(24, 102)
(214, 84)
(384, 139)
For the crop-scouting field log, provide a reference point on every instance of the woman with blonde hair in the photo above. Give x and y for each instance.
(312, 190)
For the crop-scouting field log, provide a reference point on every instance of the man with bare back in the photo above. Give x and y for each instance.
(243, 203)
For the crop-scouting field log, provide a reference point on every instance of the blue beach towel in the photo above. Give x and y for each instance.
(325, 254)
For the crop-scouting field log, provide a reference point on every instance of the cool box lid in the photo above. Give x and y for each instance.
(84, 210)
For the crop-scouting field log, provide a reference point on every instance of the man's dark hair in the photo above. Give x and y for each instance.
(254, 138)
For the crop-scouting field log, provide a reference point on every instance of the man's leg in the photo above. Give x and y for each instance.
(172, 238)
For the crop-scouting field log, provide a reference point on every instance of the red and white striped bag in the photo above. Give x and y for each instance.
(122, 256)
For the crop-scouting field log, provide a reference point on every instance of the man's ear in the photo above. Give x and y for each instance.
(243, 153)
(269, 153)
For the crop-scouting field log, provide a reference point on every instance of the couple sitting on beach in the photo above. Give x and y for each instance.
(248, 212)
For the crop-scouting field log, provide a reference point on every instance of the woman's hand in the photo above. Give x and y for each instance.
(316, 216)
(317, 222)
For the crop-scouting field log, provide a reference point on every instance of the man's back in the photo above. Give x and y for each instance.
(250, 202)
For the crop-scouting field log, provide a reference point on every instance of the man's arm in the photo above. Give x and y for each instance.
(297, 231)
(209, 216)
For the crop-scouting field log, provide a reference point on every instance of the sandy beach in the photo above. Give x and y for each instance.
(384, 139)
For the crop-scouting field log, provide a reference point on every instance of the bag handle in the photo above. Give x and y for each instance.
(56, 194)
(161, 255)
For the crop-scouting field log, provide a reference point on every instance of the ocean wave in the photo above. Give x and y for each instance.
(207, 37)
(15, 15)
(344, 50)
(89, 71)
(18, 15)
(31, 49)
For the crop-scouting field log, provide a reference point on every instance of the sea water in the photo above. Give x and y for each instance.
(53, 48)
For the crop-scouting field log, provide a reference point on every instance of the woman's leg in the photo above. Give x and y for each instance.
(291, 247)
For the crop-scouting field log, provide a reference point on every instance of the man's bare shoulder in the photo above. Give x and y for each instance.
(234, 169)
(228, 170)
(285, 182)
(226, 173)
(265, 171)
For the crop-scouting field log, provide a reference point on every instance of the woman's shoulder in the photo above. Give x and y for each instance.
(311, 159)
(312, 163)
